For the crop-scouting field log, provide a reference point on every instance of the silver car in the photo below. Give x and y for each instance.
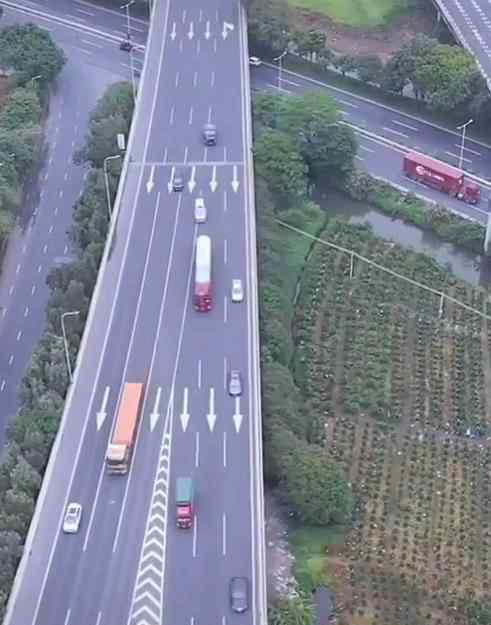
(199, 210)
(178, 182)
(234, 383)
(73, 516)
(237, 291)
(239, 594)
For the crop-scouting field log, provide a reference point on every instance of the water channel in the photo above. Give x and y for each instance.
(473, 269)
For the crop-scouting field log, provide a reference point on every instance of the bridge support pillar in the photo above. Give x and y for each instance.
(487, 238)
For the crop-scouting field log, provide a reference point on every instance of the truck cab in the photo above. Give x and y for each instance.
(184, 502)
(471, 193)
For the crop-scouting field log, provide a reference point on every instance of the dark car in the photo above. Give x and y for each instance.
(126, 45)
(178, 181)
(210, 134)
(239, 594)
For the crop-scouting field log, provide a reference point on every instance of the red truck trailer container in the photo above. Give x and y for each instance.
(202, 275)
(119, 450)
(439, 175)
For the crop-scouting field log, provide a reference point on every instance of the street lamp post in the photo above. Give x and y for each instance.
(106, 182)
(280, 67)
(463, 128)
(127, 9)
(34, 78)
(73, 313)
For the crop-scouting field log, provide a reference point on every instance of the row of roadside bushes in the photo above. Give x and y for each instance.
(44, 386)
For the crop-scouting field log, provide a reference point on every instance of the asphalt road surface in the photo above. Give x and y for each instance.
(129, 563)
(39, 242)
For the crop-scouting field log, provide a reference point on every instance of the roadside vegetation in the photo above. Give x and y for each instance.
(375, 395)
(29, 63)
(33, 430)
(445, 78)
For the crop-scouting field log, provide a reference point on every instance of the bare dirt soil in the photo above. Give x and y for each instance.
(359, 42)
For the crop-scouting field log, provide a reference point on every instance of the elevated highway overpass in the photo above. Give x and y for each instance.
(129, 564)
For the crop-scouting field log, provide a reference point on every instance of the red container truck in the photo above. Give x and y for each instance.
(439, 175)
(202, 275)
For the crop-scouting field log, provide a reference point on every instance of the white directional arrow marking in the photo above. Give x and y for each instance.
(185, 416)
(154, 416)
(173, 33)
(150, 182)
(237, 416)
(207, 31)
(102, 414)
(213, 181)
(211, 417)
(192, 180)
(226, 28)
(169, 184)
(191, 30)
(235, 181)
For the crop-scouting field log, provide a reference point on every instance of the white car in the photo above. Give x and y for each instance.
(255, 61)
(72, 519)
(237, 291)
(199, 210)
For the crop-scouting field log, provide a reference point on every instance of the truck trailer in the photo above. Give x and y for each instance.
(202, 275)
(438, 175)
(120, 448)
(184, 502)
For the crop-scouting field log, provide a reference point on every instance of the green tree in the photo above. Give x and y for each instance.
(269, 24)
(24, 478)
(327, 146)
(401, 67)
(102, 139)
(280, 163)
(345, 63)
(315, 486)
(21, 109)
(448, 77)
(31, 52)
(25, 143)
(117, 100)
(369, 68)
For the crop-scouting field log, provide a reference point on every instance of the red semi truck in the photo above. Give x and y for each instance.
(202, 275)
(184, 502)
(439, 175)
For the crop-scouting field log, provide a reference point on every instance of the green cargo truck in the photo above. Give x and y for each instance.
(184, 502)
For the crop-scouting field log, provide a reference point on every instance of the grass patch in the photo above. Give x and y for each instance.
(358, 13)
(313, 548)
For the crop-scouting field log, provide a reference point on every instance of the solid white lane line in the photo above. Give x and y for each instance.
(398, 123)
(468, 150)
(196, 451)
(395, 132)
(224, 534)
(467, 160)
(199, 373)
(225, 450)
(195, 536)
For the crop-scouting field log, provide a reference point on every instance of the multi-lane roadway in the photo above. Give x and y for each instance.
(129, 563)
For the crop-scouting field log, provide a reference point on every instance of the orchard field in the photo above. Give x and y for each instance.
(401, 382)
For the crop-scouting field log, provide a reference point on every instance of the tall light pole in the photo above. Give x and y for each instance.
(463, 128)
(280, 67)
(132, 71)
(34, 78)
(73, 313)
(106, 182)
(127, 9)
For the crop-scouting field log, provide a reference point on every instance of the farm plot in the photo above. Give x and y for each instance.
(401, 382)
